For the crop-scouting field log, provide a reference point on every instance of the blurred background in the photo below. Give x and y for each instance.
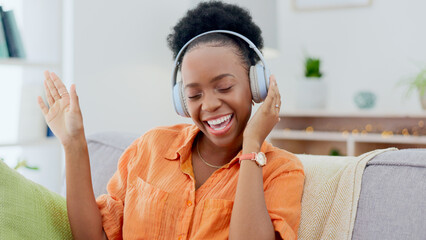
(116, 53)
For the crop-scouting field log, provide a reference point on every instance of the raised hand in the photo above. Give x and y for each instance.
(62, 114)
(265, 118)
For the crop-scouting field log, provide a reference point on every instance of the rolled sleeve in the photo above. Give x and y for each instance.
(283, 196)
(112, 215)
(111, 205)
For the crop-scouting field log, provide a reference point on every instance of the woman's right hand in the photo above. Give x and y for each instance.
(62, 115)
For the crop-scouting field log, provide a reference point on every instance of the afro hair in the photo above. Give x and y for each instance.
(216, 15)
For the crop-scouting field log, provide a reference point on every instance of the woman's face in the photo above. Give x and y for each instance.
(217, 91)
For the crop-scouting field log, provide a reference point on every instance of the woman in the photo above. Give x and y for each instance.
(190, 181)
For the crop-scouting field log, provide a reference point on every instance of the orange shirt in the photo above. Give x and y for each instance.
(152, 195)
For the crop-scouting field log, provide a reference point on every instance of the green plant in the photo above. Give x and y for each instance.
(312, 67)
(22, 163)
(417, 82)
(334, 152)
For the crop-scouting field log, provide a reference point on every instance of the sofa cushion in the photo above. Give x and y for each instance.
(29, 210)
(392, 202)
(104, 151)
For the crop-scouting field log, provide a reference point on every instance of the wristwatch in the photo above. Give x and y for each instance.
(259, 158)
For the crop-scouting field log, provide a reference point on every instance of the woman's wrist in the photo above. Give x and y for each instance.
(75, 143)
(250, 146)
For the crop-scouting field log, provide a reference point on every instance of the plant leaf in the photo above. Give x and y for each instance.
(32, 168)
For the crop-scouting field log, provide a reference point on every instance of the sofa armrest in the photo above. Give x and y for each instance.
(392, 203)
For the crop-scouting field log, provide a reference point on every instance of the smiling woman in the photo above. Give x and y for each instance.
(213, 69)
(192, 181)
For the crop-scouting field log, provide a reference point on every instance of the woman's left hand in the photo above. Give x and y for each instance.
(265, 118)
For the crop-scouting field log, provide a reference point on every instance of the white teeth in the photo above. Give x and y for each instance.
(218, 129)
(219, 120)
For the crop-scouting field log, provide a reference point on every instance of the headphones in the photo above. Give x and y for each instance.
(259, 76)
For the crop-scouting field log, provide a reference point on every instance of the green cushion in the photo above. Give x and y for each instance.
(29, 210)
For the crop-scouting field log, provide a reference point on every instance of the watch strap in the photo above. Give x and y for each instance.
(247, 156)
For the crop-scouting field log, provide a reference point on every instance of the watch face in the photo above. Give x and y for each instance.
(261, 159)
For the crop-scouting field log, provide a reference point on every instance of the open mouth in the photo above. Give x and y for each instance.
(220, 125)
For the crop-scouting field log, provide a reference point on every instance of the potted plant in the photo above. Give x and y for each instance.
(22, 163)
(312, 89)
(417, 82)
(312, 68)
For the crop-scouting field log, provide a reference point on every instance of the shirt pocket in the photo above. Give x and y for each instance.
(215, 219)
(144, 211)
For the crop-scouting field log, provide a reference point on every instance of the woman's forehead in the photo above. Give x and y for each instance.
(209, 62)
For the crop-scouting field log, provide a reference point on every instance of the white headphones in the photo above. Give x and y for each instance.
(259, 76)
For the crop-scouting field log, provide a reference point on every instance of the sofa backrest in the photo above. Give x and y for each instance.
(105, 150)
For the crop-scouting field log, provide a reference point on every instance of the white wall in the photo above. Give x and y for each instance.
(368, 48)
(122, 65)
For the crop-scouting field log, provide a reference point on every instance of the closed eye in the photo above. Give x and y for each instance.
(194, 97)
(224, 89)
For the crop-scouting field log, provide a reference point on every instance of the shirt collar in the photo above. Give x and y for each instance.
(181, 147)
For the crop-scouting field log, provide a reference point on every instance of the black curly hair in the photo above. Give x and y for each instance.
(216, 15)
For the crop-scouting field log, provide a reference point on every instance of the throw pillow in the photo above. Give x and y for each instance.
(29, 210)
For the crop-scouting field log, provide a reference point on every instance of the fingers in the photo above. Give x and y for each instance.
(42, 105)
(49, 97)
(273, 100)
(74, 104)
(51, 87)
(60, 87)
(55, 90)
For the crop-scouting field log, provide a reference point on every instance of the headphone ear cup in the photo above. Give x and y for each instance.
(179, 100)
(262, 81)
(254, 86)
(183, 99)
(259, 83)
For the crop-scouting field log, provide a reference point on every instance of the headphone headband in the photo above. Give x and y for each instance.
(250, 43)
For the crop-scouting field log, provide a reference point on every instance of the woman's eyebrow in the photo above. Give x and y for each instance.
(218, 77)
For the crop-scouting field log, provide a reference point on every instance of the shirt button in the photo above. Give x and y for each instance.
(188, 203)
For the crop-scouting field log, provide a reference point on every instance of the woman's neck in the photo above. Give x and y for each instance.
(216, 155)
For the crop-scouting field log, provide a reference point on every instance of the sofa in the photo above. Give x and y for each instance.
(392, 200)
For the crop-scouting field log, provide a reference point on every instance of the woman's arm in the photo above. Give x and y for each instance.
(83, 213)
(250, 218)
(63, 115)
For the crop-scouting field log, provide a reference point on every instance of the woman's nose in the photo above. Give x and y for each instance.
(210, 103)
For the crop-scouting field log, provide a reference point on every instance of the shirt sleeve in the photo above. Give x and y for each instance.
(111, 205)
(283, 196)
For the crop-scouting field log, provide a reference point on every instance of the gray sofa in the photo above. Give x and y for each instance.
(392, 203)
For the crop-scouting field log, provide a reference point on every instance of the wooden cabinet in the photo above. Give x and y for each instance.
(321, 132)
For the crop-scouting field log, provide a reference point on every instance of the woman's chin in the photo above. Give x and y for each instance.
(226, 136)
